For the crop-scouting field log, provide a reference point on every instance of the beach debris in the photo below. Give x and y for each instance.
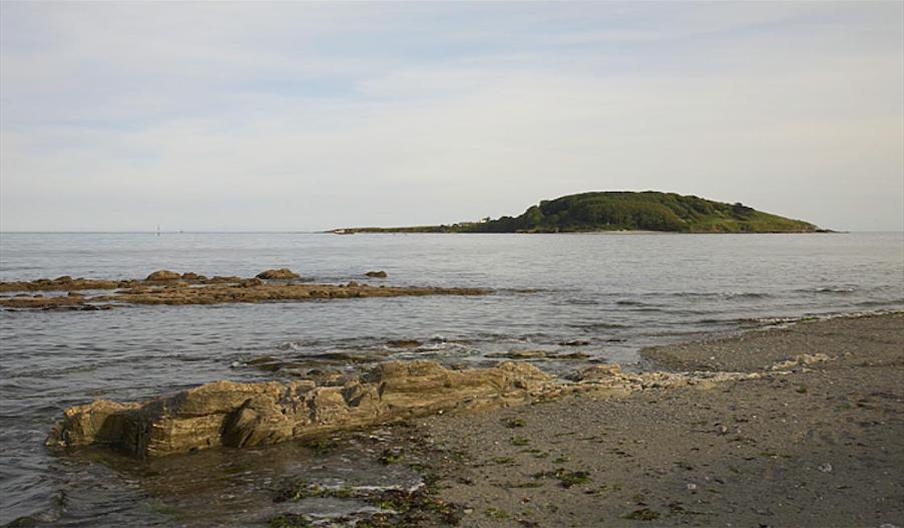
(800, 360)
(566, 478)
(513, 423)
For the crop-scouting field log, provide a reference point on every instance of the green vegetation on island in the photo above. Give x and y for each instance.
(621, 211)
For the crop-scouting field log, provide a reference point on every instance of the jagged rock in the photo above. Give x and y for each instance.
(281, 273)
(226, 413)
(163, 275)
(377, 274)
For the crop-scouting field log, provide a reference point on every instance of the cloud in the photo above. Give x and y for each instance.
(310, 116)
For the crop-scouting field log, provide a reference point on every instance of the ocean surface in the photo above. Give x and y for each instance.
(607, 295)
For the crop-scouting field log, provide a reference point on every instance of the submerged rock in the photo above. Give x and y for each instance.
(521, 354)
(403, 343)
(281, 274)
(575, 342)
(226, 413)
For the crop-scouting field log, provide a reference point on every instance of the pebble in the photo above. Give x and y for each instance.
(825, 468)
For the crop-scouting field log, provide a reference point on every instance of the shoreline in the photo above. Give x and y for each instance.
(806, 431)
(821, 445)
(407, 231)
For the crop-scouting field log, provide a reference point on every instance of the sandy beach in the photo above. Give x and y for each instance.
(822, 445)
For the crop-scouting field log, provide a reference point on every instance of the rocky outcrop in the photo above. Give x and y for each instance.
(167, 287)
(226, 413)
(64, 283)
(163, 275)
(278, 274)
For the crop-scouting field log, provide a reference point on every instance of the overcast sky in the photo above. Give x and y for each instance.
(297, 116)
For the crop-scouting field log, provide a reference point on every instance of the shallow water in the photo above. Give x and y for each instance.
(613, 294)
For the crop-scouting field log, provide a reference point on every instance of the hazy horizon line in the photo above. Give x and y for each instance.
(240, 231)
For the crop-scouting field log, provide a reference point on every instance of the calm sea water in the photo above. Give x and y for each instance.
(612, 293)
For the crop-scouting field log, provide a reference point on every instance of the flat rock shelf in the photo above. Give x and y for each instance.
(167, 287)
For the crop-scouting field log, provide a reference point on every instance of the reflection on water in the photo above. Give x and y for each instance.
(590, 297)
(222, 487)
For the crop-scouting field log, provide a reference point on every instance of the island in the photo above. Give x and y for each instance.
(620, 211)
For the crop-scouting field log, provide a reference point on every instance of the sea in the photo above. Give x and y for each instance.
(605, 295)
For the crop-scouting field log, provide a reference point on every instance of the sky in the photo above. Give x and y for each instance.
(307, 116)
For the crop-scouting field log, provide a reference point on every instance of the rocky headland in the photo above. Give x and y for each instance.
(168, 287)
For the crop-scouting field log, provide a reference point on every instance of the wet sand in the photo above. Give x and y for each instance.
(822, 445)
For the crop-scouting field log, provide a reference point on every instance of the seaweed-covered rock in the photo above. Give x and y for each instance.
(377, 274)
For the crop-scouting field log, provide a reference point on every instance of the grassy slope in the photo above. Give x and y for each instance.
(613, 211)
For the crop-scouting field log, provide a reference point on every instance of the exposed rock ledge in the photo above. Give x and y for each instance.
(226, 413)
(167, 287)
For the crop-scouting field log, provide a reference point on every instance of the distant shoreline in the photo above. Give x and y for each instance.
(410, 231)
